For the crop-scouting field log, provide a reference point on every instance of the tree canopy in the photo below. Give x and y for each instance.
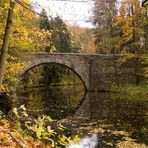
(120, 27)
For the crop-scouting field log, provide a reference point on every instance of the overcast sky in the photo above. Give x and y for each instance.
(72, 12)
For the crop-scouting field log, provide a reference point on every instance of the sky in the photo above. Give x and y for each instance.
(78, 13)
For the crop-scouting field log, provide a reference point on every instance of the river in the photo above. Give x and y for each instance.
(116, 117)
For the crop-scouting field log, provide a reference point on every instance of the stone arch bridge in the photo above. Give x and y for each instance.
(97, 71)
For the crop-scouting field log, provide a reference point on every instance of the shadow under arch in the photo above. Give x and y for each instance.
(22, 73)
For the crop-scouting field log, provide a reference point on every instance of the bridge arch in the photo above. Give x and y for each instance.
(29, 68)
(63, 62)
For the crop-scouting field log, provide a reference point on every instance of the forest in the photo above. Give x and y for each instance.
(118, 27)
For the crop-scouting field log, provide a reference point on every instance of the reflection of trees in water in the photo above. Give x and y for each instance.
(118, 113)
(118, 109)
(57, 102)
(42, 98)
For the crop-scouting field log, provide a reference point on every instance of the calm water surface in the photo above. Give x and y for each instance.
(115, 117)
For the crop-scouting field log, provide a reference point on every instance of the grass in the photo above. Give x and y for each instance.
(131, 89)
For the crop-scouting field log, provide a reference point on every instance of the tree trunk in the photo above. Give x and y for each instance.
(4, 49)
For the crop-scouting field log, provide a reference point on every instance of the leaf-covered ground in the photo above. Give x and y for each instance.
(110, 136)
(11, 136)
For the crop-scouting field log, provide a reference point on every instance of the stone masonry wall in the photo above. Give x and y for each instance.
(98, 72)
(106, 71)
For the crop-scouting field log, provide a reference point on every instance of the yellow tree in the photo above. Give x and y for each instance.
(6, 39)
(131, 21)
(82, 39)
(26, 36)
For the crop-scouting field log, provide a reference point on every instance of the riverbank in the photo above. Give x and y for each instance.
(11, 135)
(130, 89)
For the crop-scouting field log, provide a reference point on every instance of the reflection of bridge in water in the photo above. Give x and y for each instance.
(97, 71)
